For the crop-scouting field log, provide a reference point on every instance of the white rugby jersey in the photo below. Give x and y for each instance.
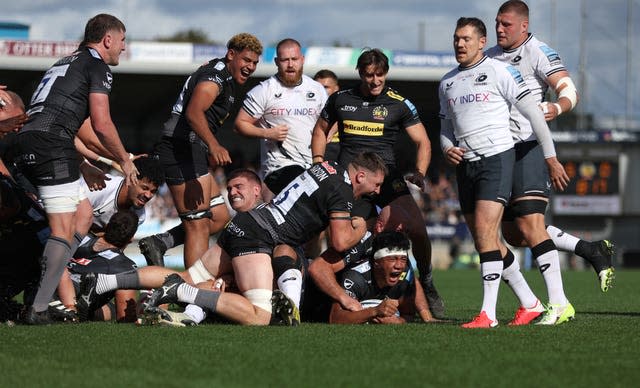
(297, 107)
(536, 62)
(477, 100)
(105, 202)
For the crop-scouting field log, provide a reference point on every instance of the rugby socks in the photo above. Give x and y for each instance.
(57, 252)
(77, 239)
(196, 313)
(290, 283)
(512, 275)
(490, 267)
(203, 298)
(563, 241)
(125, 280)
(546, 255)
(289, 278)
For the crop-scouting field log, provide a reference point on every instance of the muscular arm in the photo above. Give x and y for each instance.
(345, 231)
(319, 139)
(323, 271)
(108, 135)
(386, 309)
(418, 134)
(567, 96)
(245, 125)
(204, 94)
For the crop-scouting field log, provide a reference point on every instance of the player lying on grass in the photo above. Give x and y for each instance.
(384, 285)
(321, 196)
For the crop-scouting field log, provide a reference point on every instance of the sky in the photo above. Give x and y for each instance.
(590, 35)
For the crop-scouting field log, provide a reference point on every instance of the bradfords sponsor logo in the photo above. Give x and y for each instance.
(235, 229)
(363, 128)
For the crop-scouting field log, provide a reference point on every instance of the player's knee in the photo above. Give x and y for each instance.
(512, 235)
(281, 264)
(260, 297)
(199, 273)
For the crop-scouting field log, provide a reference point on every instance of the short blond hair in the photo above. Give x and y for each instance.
(244, 41)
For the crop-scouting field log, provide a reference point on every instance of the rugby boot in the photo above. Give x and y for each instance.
(168, 293)
(88, 299)
(153, 250)
(60, 313)
(481, 321)
(600, 254)
(284, 311)
(524, 316)
(33, 317)
(556, 315)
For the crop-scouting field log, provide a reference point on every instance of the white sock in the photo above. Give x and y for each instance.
(516, 281)
(106, 283)
(491, 273)
(563, 240)
(290, 283)
(187, 293)
(549, 264)
(195, 312)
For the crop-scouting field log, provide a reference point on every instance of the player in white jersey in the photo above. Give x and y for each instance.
(523, 224)
(282, 111)
(117, 195)
(475, 100)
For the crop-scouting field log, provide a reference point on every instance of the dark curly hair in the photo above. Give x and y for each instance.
(149, 167)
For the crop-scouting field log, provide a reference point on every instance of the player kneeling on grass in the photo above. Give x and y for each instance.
(386, 287)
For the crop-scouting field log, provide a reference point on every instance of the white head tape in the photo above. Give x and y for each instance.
(384, 252)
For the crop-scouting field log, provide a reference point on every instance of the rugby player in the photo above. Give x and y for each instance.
(74, 88)
(370, 117)
(523, 222)
(474, 109)
(189, 147)
(323, 195)
(386, 277)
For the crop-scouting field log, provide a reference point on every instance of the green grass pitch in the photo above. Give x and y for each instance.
(601, 347)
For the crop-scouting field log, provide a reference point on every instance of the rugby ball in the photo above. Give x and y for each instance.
(373, 303)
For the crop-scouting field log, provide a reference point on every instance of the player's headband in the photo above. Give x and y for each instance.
(384, 252)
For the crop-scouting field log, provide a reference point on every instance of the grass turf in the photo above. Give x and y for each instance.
(601, 347)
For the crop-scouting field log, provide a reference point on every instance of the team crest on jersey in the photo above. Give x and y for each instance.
(380, 112)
